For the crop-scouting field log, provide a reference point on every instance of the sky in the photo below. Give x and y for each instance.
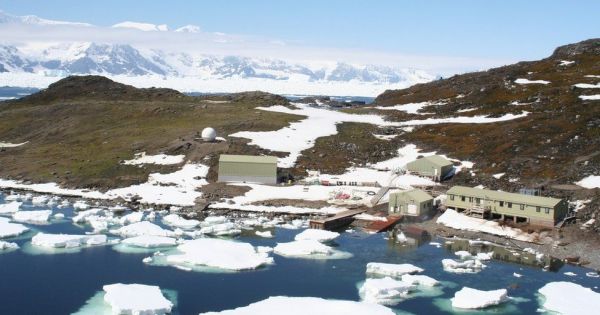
(488, 32)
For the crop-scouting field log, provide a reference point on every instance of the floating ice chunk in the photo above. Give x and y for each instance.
(309, 249)
(40, 200)
(316, 235)
(386, 291)
(569, 298)
(266, 234)
(570, 274)
(67, 240)
(158, 159)
(214, 220)
(517, 275)
(223, 229)
(307, 305)
(82, 216)
(6, 246)
(463, 254)
(80, 205)
(436, 244)
(420, 280)
(132, 217)
(485, 256)
(218, 253)
(468, 298)
(142, 228)
(149, 241)
(467, 266)
(592, 274)
(393, 270)
(10, 208)
(136, 299)
(177, 221)
(8, 229)
(33, 217)
(59, 215)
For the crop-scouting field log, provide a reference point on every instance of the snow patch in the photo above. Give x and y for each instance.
(458, 221)
(158, 159)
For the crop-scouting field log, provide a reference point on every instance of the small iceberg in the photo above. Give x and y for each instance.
(386, 291)
(392, 270)
(309, 249)
(468, 298)
(8, 229)
(316, 235)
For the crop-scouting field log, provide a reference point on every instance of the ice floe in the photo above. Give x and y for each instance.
(420, 280)
(466, 266)
(150, 241)
(8, 246)
(177, 221)
(527, 81)
(158, 159)
(386, 291)
(392, 270)
(216, 253)
(307, 305)
(8, 229)
(132, 218)
(67, 240)
(316, 235)
(569, 298)
(265, 234)
(458, 221)
(136, 299)
(33, 217)
(309, 249)
(468, 298)
(142, 228)
(10, 208)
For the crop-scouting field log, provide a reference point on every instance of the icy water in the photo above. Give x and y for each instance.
(9, 92)
(62, 283)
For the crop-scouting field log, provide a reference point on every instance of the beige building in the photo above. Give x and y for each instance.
(434, 166)
(248, 169)
(410, 203)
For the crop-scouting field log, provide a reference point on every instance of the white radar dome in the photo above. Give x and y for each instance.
(209, 134)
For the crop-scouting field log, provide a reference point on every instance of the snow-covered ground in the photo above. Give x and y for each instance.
(410, 108)
(307, 305)
(10, 145)
(159, 159)
(569, 298)
(459, 221)
(594, 97)
(527, 81)
(590, 182)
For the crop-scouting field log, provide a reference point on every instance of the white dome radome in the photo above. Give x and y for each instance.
(209, 134)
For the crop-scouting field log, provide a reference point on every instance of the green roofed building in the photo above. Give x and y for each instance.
(492, 204)
(434, 166)
(248, 169)
(410, 203)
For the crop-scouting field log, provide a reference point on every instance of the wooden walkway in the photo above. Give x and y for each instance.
(339, 220)
(379, 226)
(382, 191)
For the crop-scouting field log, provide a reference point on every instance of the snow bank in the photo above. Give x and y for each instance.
(149, 241)
(386, 291)
(316, 235)
(590, 182)
(569, 298)
(143, 228)
(527, 81)
(8, 229)
(458, 221)
(594, 97)
(410, 108)
(158, 159)
(588, 86)
(498, 176)
(468, 298)
(218, 253)
(309, 249)
(177, 221)
(11, 145)
(307, 305)
(67, 240)
(392, 270)
(10, 208)
(33, 217)
(481, 119)
(467, 266)
(136, 299)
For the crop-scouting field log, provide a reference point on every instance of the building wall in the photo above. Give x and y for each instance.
(426, 168)
(247, 172)
(532, 212)
(399, 203)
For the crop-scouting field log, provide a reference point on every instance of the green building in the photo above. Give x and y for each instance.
(492, 204)
(248, 168)
(434, 166)
(410, 203)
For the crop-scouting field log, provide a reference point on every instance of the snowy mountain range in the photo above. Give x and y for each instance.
(44, 61)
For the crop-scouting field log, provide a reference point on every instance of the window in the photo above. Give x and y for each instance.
(547, 210)
(501, 203)
(537, 209)
(462, 198)
(451, 197)
(478, 200)
(471, 199)
(510, 204)
(522, 207)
